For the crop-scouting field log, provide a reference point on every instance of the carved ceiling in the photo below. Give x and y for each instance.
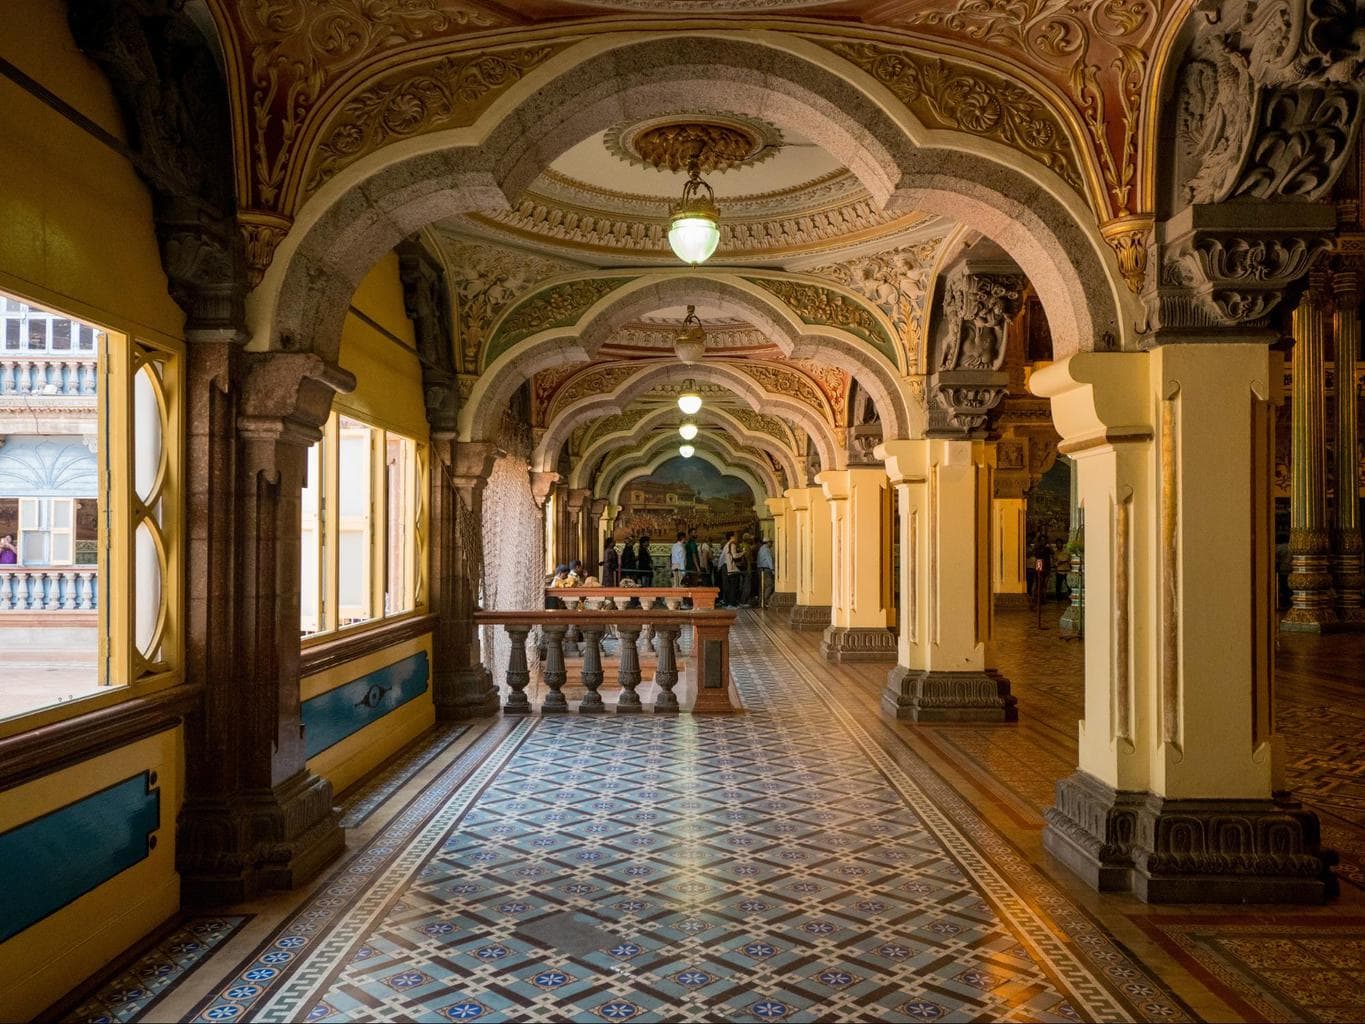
(1070, 84)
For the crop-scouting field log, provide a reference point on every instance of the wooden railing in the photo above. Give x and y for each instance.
(702, 598)
(705, 673)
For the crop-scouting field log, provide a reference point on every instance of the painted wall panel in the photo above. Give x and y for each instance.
(333, 716)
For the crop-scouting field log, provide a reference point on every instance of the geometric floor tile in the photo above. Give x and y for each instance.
(131, 993)
(777, 865)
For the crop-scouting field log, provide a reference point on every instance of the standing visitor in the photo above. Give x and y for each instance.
(644, 563)
(746, 569)
(9, 554)
(611, 563)
(693, 556)
(706, 560)
(730, 571)
(677, 559)
(765, 572)
(628, 560)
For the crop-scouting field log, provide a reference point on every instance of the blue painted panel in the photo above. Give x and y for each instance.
(330, 717)
(51, 861)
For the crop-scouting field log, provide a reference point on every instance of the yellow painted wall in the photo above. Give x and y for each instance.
(388, 389)
(78, 233)
(44, 962)
(78, 237)
(345, 763)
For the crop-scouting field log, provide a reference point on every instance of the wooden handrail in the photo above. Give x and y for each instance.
(702, 597)
(643, 616)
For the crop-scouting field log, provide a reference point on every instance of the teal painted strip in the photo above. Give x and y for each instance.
(330, 717)
(53, 860)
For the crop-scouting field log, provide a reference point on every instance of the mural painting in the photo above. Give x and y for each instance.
(685, 494)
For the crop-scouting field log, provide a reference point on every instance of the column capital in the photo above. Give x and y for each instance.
(1098, 398)
(777, 506)
(906, 461)
(799, 498)
(835, 483)
(541, 485)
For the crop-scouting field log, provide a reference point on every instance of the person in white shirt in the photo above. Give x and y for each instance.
(677, 560)
(766, 572)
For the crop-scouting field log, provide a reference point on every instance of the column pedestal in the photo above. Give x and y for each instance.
(922, 696)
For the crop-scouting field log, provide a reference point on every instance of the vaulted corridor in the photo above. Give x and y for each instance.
(807, 859)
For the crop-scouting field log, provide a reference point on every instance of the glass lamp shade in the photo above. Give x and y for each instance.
(688, 431)
(690, 403)
(693, 238)
(686, 451)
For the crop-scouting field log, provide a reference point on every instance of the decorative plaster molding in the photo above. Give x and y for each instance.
(897, 282)
(818, 305)
(559, 305)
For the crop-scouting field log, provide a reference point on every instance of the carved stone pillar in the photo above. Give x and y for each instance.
(464, 687)
(254, 818)
(542, 487)
(594, 526)
(1179, 792)
(576, 504)
(860, 592)
(1348, 576)
(1310, 539)
(945, 669)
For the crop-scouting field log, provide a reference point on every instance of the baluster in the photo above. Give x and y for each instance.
(666, 674)
(23, 370)
(94, 590)
(23, 591)
(555, 702)
(6, 591)
(518, 672)
(86, 584)
(629, 702)
(6, 377)
(592, 670)
(571, 638)
(69, 597)
(52, 588)
(88, 385)
(72, 384)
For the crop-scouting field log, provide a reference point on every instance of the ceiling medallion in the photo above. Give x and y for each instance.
(718, 142)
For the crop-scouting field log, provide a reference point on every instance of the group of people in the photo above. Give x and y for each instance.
(739, 567)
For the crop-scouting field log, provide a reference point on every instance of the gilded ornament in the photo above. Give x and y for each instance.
(559, 305)
(261, 236)
(817, 305)
(716, 143)
(1129, 238)
(450, 93)
(788, 383)
(946, 95)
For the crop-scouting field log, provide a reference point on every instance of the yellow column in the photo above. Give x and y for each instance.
(859, 603)
(1348, 576)
(1009, 529)
(945, 668)
(1179, 621)
(814, 558)
(1310, 540)
(784, 586)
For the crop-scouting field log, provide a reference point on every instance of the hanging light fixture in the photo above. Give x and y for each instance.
(688, 430)
(690, 345)
(686, 451)
(690, 400)
(694, 221)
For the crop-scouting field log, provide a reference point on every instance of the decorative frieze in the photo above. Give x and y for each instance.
(559, 305)
(825, 307)
(851, 643)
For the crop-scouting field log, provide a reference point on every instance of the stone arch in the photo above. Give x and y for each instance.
(364, 211)
(640, 294)
(746, 388)
(744, 465)
(588, 458)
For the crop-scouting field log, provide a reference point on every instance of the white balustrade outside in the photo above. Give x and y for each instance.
(52, 373)
(55, 588)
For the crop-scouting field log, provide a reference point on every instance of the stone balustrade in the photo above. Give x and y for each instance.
(54, 373)
(48, 589)
(702, 598)
(705, 674)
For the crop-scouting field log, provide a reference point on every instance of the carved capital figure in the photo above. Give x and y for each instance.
(968, 356)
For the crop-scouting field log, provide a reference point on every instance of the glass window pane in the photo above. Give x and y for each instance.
(61, 513)
(147, 595)
(400, 455)
(354, 525)
(12, 333)
(61, 335)
(310, 589)
(37, 333)
(146, 432)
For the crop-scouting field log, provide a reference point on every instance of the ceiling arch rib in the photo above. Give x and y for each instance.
(710, 417)
(363, 211)
(604, 391)
(802, 316)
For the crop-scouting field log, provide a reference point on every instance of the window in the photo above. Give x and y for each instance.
(89, 508)
(362, 522)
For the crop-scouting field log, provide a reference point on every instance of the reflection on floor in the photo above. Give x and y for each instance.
(808, 860)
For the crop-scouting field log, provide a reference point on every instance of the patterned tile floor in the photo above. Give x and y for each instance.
(807, 860)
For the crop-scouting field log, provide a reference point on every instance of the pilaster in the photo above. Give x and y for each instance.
(860, 597)
(1009, 551)
(1310, 539)
(945, 669)
(464, 687)
(811, 528)
(784, 584)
